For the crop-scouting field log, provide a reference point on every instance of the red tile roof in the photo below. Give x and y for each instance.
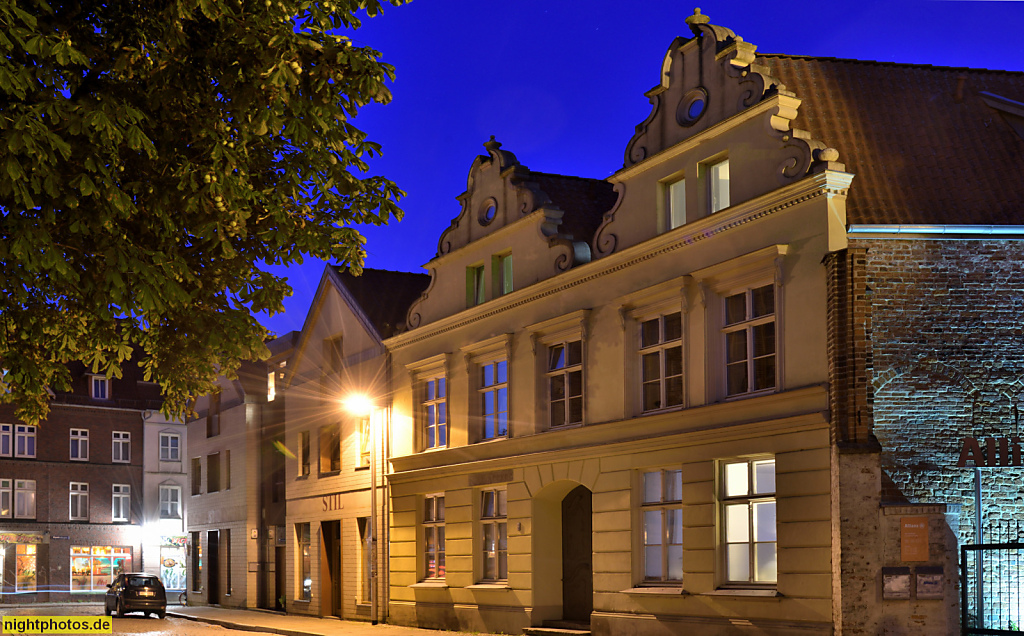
(919, 156)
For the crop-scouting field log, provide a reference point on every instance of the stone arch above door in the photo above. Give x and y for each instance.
(556, 479)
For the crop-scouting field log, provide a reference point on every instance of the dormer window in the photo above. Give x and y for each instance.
(675, 204)
(100, 388)
(718, 185)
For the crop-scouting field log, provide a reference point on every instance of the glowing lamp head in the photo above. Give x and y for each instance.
(358, 404)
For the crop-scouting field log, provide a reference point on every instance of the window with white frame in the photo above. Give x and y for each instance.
(121, 508)
(170, 447)
(122, 447)
(749, 330)
(493, 522)
(675, 204)
(662, 522)
(170, 502)
(435, 412)
(6, 498)
(6, 439)
(79, 501)
(99, 387)
(24, 441)
(433, 537)
(365, 441)
(24, 499)
(748, 520)
(494, 398)
(661, 361)
(565, 383)
(79, 444)
(718, 185)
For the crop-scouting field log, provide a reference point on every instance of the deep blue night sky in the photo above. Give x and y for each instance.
(560, 83)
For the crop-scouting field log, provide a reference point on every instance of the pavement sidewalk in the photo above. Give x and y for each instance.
(294, 625)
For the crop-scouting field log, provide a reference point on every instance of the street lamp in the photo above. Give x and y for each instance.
(362, 406)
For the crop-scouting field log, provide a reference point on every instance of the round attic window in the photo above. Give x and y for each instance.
(692, 106)
(488, 211)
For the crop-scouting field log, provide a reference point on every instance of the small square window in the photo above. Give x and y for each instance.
(170, 447)
(79, 444)
(100, 387)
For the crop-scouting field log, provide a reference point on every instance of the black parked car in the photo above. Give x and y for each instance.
(136, 592)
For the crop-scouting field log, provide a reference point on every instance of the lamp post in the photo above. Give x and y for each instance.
(362, 406)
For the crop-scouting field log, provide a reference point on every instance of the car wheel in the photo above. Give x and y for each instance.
(106, 609)
(120, 608)
(161, 615)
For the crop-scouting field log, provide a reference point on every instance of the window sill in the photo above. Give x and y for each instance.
(744, 593)
(302, 600)
(663, 590)
(361, 468)
(503, 586)
(430, 585)
(301, 477)
(328, 473)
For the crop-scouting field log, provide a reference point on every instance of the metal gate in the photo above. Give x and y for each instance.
(992, 588)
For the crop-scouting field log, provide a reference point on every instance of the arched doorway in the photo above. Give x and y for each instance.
(563, 583)
(577, 556)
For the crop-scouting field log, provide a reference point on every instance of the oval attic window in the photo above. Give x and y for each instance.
(692, 106)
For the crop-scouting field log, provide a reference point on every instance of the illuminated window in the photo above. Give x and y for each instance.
(565, 383)
(121, 509)
(365, 441)
(750, 341)
(79, 501)
(305, 587)
(170, 502)
(718, 185)
(435, 412)
(25, 573)
(662, 525)
(24, 499)
(271, 386)
(79, 444)
(661, 361)
(94, 567)
(6, 498)
(748, 520)
(433, 537)
(494, 398)
(493, 515)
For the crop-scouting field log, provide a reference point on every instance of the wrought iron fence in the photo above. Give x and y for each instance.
(992, 582)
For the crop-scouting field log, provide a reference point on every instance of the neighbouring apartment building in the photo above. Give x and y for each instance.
(336, 434)
(71, 490)
(164, 483)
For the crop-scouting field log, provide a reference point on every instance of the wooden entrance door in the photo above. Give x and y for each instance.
(577, 554)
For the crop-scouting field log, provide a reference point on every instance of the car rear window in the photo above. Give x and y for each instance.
(142, 581)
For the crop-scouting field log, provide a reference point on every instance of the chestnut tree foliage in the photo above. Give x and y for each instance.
(154, 156)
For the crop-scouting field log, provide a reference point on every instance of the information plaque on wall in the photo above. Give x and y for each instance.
(929, 582)
(913, 538)
(895, 583)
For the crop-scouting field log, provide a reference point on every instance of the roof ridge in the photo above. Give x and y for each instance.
(883, 63)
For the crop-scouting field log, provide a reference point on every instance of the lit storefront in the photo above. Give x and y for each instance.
(172, 561)
(93, 568)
